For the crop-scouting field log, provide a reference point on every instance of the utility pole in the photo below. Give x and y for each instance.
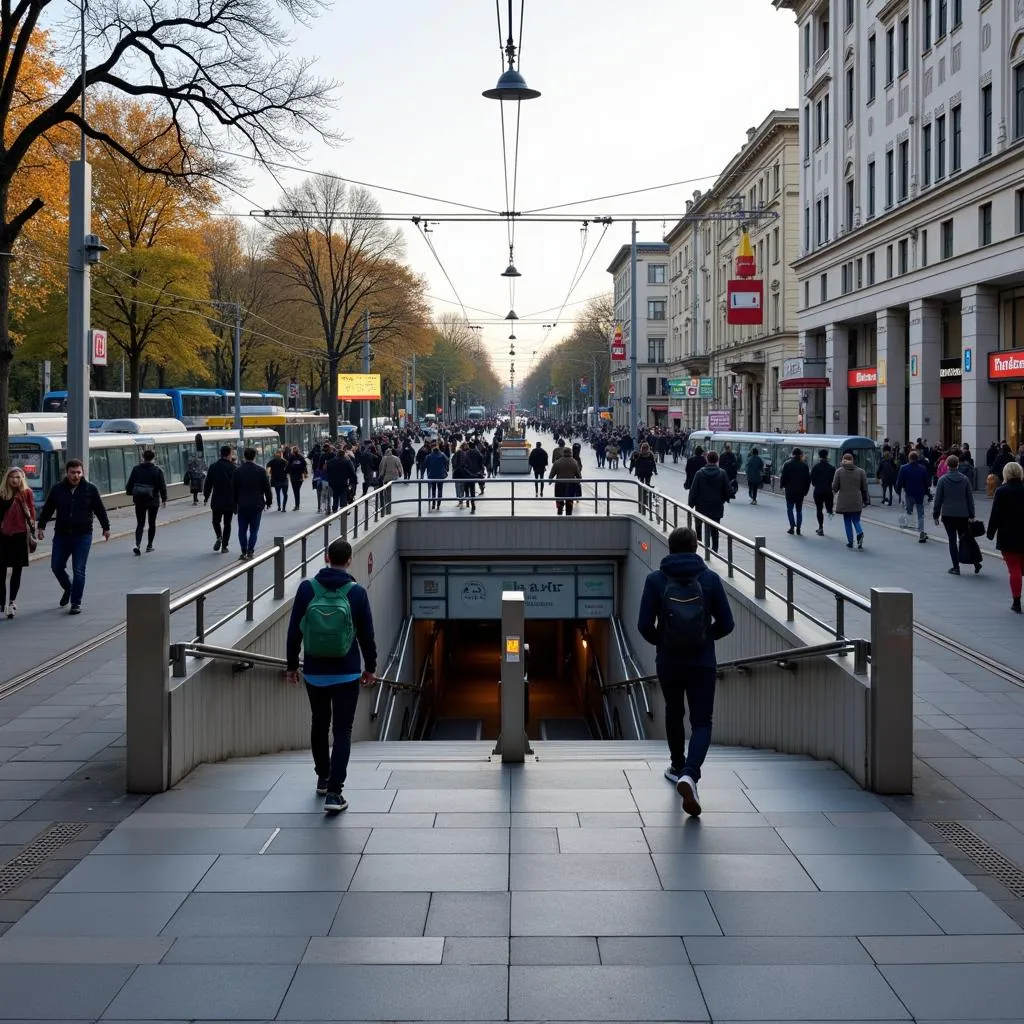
(236, 355)
(366, 369)
(633, 334)
(412, 399)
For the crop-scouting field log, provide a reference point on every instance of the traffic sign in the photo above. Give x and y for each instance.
(98, 347)
(611, 389)
(293, 388)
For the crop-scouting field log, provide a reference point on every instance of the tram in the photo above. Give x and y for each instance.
(303, 429)
(774, 449)
(110, 405)
(195, 406)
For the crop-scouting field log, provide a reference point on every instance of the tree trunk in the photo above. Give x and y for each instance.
(6, 359)
(135, 382)
(331, 388)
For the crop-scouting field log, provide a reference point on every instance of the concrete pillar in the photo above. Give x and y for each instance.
(925, 347)
(980, 399)
(147, 645)
(891, 715)
(891, 342)
(837, 362)
(512, 742)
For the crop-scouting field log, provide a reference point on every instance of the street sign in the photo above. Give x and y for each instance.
(293, 388)
(611, 389)
(98, 347)
(706, 386)
(618, 346)
(746, 299)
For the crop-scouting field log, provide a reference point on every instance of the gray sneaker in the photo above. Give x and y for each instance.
(687, 789)
(672, 773)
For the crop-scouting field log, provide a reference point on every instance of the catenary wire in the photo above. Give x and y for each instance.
(455, 291)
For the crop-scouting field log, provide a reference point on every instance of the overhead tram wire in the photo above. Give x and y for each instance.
(430, 245)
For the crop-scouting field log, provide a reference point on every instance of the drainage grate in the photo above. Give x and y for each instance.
(41, 849)
(1001, 868)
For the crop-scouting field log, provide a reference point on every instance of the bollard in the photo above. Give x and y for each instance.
(147, 645)
(279, 568)
(760, 569)
(891, 713)
(512, 742)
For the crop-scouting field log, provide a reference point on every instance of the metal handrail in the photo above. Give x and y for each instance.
(397, 658)
(629, 662)
(249, 659)
(860, 647)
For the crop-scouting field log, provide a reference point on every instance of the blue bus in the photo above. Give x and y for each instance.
(194, 406)
(111, 405)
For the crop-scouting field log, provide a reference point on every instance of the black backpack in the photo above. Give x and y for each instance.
(683, 617)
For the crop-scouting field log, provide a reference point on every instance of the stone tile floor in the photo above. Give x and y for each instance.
(567, 889)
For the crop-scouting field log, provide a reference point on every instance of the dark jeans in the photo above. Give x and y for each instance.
(435, 491)
(15, 584)
(795, 511)
(538, 482)
(334, 710)
(693, 688)
(249, 528)
(753, 488)
(823, 503)
(281, 493)
(887, 493)
(339, 499)
(76, 547)
(712, 537)
(223, 532)
(956, 527)
(142, 513)
(296, 487)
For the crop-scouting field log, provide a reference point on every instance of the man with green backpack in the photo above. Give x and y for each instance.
(332, 621)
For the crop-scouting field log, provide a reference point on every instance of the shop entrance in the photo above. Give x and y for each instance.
(952, 421)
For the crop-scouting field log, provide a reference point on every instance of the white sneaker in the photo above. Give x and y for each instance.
(11, 609)
(687, 789)
(672, 774)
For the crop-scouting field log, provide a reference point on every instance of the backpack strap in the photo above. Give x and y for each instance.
(346, 588)
(318, 589)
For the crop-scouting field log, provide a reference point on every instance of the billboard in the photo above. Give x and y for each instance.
(359, 387)
(720, 419)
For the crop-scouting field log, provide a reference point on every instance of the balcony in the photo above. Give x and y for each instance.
(697, 364)
(819, 74)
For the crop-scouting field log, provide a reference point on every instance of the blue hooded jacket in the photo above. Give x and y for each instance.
(720, 613)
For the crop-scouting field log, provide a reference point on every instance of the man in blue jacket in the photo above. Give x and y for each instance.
(436, 466)
(912, 484)
(332, 680)
(687, 668)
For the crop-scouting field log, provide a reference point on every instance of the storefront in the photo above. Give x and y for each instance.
(1006, 369)
(659, 415)
(951, 376)
(862, 384)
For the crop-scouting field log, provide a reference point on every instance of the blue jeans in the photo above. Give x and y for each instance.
(76, 547)
(795, 511)
(334, 711)
(695, 686)
(248, 528)
(281, 493)
(851, 523)
(919, 503)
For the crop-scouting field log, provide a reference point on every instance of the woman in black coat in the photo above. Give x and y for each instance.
(1006, 526)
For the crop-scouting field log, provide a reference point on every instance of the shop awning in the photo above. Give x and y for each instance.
(804, 383)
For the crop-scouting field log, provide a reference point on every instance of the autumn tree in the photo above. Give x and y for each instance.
(222, 74)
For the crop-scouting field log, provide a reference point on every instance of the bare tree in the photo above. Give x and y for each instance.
(221, 70)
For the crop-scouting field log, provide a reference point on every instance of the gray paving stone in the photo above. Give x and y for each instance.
(573, 800)
(693, 837)
(533, 840)
(732, 871)
(364, 993)
(821, 913)
(295, 872)
(721, 801)
(374, 950)
(314, 840)
(45, 991)
(488, 777)
(229, 914)
(469, 872)
(476, 914)
(964, 913)
(943, 949)
(547, 776)
(602, 840)
(449, 800)
(382, 914)
(127, 873)
(825, 800)
(772, 950)
(644, 950)
(181, 820)
(237, 950)
(614, 993)
(354, 817)
(56, 950)
(150, 841)
(286, 800)
(105, 915)
(593, 871)
(853, 841)
(470, 819)
(203, 801)
(438, 840)
(553, 950)
(459, 949)
(883, 872)
(798, 993)
(223, 992)
(612, 819)
(709, 819)
(972, 992)
(614, 913)
(544, 819)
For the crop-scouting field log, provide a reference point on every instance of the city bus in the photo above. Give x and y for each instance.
(112, 405)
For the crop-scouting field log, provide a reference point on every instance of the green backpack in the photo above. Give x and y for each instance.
(327, 627)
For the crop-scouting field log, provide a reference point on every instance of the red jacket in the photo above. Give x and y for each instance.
(13, 519)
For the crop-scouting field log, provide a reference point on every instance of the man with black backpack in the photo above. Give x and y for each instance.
(683, 611)
(332, 620)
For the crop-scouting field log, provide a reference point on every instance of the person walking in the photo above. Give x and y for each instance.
(683, 611)
(277, 467)
(148, 490)
(754, 470)
(730, 465)
(388, 472)
(850, 486)
(340, 474)
(912, 485)
(1006, 526)
(408, 458)
(250, 491)
(643, 467)
(332, 620)
(195, 472)
(298, 470)
(795, 481)
(708, 494)
(694, 463)
(566, 471)
(475, 470)
(887, 474)
(822, 475)
(954, 505)
(217, 491)
(538, 463)
(436, 467)
(17, 535)
(72, 504)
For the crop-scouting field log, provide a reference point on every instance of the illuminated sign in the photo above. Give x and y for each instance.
(865, 377)
(1006, 365)
(359, 387)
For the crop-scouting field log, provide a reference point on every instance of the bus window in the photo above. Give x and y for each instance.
(202, 406)
(156, 406)
(55, 404)
(118, 471)
(99, 468)
(109, 408)
(31, 464)
(867, 459)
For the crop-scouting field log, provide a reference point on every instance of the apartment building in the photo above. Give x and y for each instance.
(739, 371)
(651, 405)
(911, 262)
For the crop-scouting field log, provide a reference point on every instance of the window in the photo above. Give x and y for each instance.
(926, 23)
(904, 256)
(940, 148)
(1019, 209)
(926, 154)
(943, 14)
(655, 309)
(807, 46)
(655, 350)
(845, 279)
(822, 36)
(776, 322)
(775, 178)
(1018, 101)
(986, 120)
(849, 12)
(871, 268)
(817, 223)
(946, 238)
(904, 169)
(958, 13)
(888, 261)
(955, 113)
(890, 56)
(872, 66)
(849, 205)
(871, 188)
(905, 45)
(827, 117)
(888, 178)
(985, 224)
(656, 273)
(652, 387)
(924, 248)
(817, 124)
(823, 284)
(807, 229)
(807, 131)
(848, 112)
(824, 204)
(860, 273)
(775, 245)
(807, 294)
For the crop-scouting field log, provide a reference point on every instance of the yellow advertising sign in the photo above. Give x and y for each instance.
(359, 387)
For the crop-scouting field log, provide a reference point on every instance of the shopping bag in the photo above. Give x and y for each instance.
(977, 528)
(970, 553)
(904, 520)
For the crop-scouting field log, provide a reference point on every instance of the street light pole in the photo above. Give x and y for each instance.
(236, 355)
(366, 370)
(633, 330)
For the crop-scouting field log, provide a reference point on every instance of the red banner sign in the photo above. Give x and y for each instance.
(1007, 365)
(746, 302)
(864, 377)
(618, 346)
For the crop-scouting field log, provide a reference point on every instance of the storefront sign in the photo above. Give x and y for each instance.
(864, 377)
(950, 369)
(1007, 365)
(720, 419)
(913, 366)
(792, 368)
(968, 360)
(881, 373)
(745, 302)
(618, 345)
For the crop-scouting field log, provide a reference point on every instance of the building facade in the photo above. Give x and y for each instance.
(739, 371)
(651, 405)
(911, 262)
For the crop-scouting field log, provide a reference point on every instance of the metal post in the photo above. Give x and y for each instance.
(760, 567)
(79, 225)
(891, 715)
(366, 369)
(633, 332)
(236, 346)
(279, 568)
(147, 644)
(412, 399)
(512, 743)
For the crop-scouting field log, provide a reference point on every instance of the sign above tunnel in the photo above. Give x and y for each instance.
(550, 591)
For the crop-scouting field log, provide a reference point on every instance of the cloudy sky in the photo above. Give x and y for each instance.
(634, 95)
